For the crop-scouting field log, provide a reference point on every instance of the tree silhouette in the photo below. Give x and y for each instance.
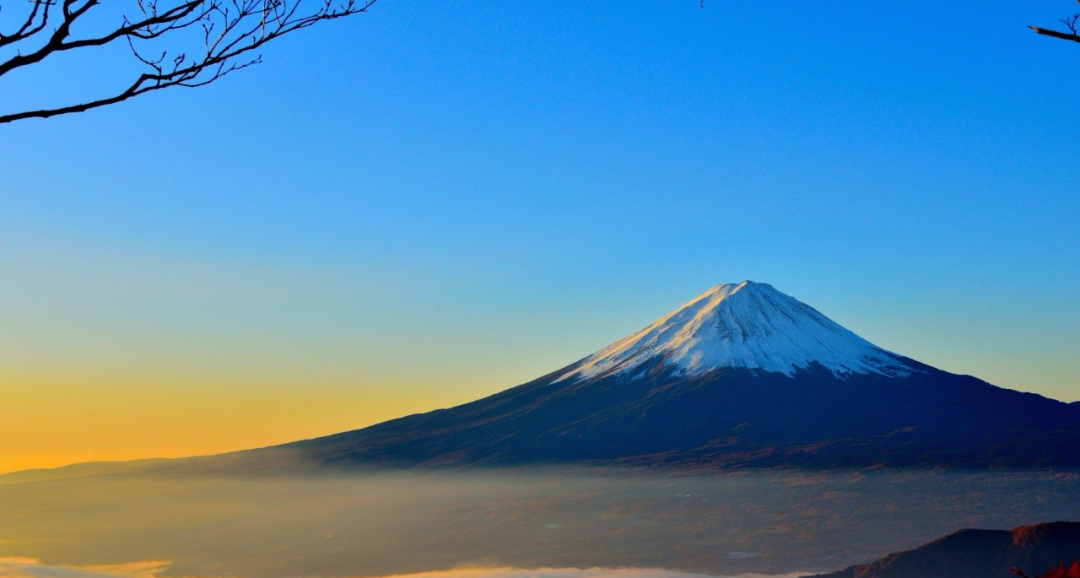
(187, 43)
(1070, 25)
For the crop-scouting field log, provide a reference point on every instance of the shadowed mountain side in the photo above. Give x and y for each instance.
(978, 554)
(728, 418)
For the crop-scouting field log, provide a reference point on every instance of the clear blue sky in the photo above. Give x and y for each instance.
(438, 200)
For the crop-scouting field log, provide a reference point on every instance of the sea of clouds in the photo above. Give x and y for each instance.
(15, 567)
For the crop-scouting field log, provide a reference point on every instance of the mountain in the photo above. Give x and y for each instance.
(741, 376)
(979, 554)
(748, 325)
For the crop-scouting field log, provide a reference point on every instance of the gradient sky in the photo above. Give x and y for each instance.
(434, 201)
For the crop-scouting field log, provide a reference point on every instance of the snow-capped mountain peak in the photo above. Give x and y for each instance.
(749, 325)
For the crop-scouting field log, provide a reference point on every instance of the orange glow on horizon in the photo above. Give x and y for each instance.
(44, 424)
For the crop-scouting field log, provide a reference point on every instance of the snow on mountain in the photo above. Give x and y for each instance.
(750, 325)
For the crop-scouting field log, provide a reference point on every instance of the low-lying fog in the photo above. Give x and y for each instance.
(134, 524)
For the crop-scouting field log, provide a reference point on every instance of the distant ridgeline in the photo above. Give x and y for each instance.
(982, 554)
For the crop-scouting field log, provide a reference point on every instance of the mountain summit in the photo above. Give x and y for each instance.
(750, 325)
(741, 376)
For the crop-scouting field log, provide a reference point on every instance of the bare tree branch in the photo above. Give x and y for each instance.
(228, 31)
(32, 25)
(1055, 34)
(1070, 23)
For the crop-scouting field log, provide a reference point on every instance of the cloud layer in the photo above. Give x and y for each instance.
(574, 573)
(32, 568)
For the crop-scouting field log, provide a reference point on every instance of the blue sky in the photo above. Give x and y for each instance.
(435, 201)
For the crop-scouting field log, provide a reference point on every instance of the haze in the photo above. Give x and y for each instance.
(371, 524)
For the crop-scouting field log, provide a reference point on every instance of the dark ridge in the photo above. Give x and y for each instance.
(978, 554)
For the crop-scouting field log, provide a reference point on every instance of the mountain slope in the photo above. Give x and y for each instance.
(741, 376)
(978, 554)
(749, 325)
